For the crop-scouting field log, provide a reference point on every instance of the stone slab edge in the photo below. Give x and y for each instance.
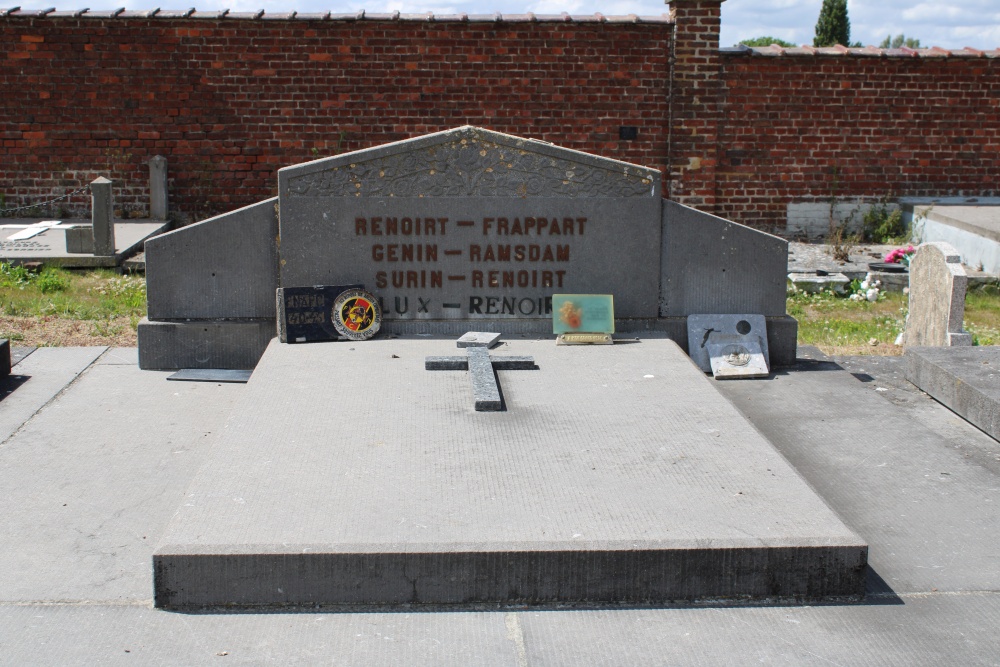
(276, 577)
(927, 369)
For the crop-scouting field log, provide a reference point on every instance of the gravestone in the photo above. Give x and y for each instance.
(937, 298)
(355, 473)
(451, 229)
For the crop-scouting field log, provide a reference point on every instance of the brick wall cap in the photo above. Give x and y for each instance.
(175, 14)
(934, 52)
(356, 16)
(142, 14)
(109, 14)
(362, 15)
(775, 51)
(31, 13)
(312, 16)
(209, 14)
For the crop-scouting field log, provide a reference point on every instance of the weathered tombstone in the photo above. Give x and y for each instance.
(937, 298)
(103, 214)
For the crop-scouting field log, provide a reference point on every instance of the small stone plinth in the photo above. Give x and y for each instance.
(813, 283)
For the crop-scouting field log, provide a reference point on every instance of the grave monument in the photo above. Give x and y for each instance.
(451, 229)
(365, 473)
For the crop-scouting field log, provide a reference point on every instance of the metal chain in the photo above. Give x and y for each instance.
(44, 203)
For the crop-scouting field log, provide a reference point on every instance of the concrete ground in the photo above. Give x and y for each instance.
(95, 456)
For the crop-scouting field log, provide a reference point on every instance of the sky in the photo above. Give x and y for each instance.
(951, 24)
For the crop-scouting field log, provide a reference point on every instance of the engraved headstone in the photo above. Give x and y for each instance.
(937, 298)
(457, 230)
(473, 224)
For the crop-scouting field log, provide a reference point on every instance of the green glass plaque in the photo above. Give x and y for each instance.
(583, 313)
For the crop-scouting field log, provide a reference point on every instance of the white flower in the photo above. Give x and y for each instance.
(872, 294)
(856, 297)
(865, 285)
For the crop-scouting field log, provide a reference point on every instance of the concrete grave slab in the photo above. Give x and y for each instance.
(352, 476)
(966, 380)
(937, 298)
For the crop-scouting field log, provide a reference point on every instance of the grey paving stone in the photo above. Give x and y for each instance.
(917, 482)
(422, 499)
(90, 482)
(37, 379)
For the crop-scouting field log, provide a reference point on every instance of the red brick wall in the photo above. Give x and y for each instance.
(801, 128)
(228, 102)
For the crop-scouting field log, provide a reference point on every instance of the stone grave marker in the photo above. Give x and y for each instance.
(452, 229)
(937, 298)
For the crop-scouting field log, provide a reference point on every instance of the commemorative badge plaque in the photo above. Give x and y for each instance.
(356, 314)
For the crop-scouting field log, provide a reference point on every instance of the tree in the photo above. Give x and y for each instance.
(899, 40)
(833, 26)
(766, 41)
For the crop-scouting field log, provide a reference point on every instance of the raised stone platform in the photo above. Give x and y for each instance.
(966, 380)
(350, 475)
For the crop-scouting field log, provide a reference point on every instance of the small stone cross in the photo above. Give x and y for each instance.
(29, 231)
(481, 367)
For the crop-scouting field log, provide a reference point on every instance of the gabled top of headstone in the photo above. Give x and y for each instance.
(468, 162)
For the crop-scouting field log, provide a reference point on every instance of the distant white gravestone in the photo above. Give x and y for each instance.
(937, 298)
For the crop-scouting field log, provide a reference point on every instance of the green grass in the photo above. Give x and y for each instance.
(982, 314)
(109, 303)
(838, 325)
(89, 295)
